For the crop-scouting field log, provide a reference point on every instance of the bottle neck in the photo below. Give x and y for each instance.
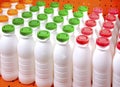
(43, 41)
(102, 48)
(62, 43)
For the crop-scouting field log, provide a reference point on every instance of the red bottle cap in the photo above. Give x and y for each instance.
(108, 25)
(82, 39)
(90, 23)
(102, 41)
(110, 17)
(113, 11)
(97, 10)
(94, 16)
(105, 33)
(118, 45)
(86, 31)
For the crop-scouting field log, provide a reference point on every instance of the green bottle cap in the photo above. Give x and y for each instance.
(74, 21)
(42, 17)
(68, 6)
(83, 8)
(26, 31)
(68, 28)
(34, 23)
(78, 14)
(8, 28)
(27, 14)
(48, 10)
(58, 19)
(63, 12)
(18, 21)
(62, 37)
(54, 5)
(40, 3)
(43, 34)
(51, 26)
(34, 8)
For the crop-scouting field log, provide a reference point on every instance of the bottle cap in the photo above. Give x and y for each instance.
(34, 23)
(58, 19)
(94, 16)
(83, 8)
(34, 8)
(18, 21)
(12, 12)
(51, 26)
(82, 39)
(40, 3)
(74, 21)
(48, 10)
(68, 28)
(14, 1)
(110, 17)
(62, 37)
(68, 6)
(42, 17)
(27, 14)
(26, 31)
(87, 31)
(54, 5)
(108, 25)
(1, 10)
(43, 34)
(102, 41)
(63, 12)
(78, 14)
(97, 10)
(8, 28)
(113, 11)
(118, 45)
(27, 1)
(5, 5)
(105, 33)
(90, 23)
(3, 18)
(20, 6)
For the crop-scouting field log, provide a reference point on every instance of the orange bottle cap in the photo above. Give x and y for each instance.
(14, 1)
(27, 1)
(3, 18)
(12, 12)
(6, 5)
(20, 6)
(1, 10)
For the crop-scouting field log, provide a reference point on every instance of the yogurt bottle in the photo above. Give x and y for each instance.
(64, 14)
(43, 59)
(1, 11)
(79, 15)
(69, 8)
(13, 3)
(25, 49)
(27, 17)
(55, 6)
(41, 5)
(18, 23)
(20, 8)
(59, 21)
(82, 62)
(49, 12)
(5, 6)
(43, 20)
(102, 63)
(84, 9)
(28, 4)
(62, 63)
(9, 59)
(12, 13)
(34, 10)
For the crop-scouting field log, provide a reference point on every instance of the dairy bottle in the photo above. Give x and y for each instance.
(1, 11)
(55, 6)
(5, 6)
(9, 60)
(13, 3)
(41, 5)
(82, 62)
(43, 59)
(69, 8)
(34, 10)
(62, 63)
(79, 15)
(43, 20)
(25, 50)
(49, 12)
(59, 21)
(102, 62)
(116, 64)
(28, 4)
(64, 14)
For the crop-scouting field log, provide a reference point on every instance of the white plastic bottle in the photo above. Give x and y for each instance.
(43, 60)
(25, 50)
(82, 62)
(9, 59)
(13, 3)
(62, 62)
(55, 6)
(41, 5)
(116, 65)
(102, 63)
(35, 11)
(5, 6)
